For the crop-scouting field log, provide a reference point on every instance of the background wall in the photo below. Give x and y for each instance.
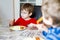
(6, 11)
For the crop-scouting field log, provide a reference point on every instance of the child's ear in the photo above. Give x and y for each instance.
(30, 14)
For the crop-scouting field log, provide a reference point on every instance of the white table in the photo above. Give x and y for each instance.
(6, 34)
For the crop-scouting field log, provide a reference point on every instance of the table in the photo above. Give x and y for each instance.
(6, 34)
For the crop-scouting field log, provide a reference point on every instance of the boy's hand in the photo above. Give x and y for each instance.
(31, 25)
(11, 22)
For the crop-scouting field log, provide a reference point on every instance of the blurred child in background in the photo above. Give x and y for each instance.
(51, 19)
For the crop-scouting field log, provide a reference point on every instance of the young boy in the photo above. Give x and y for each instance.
(26, 12)
(51, 19)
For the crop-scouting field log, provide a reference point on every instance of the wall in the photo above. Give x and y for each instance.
(38, 2)
(17, 9)
(6, 7)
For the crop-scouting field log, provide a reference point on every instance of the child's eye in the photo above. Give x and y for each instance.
(23, 13)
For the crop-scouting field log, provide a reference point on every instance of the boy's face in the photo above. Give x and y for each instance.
(25, 14)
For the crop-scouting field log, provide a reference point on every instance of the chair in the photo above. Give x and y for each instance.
(37, 14)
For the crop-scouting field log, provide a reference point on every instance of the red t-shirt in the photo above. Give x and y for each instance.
(23, 22)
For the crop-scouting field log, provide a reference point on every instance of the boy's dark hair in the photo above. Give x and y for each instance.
(27, 6)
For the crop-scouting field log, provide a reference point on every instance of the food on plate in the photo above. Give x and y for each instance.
(22, 27)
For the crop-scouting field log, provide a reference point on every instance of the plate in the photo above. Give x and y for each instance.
(17, 27)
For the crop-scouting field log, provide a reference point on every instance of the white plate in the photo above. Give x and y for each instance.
(17, 27)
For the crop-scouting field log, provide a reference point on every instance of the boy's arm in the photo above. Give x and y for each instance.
(11, 22)
(33, 23)
(17, 22)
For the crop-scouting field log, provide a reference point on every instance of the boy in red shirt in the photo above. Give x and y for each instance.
(26, 12)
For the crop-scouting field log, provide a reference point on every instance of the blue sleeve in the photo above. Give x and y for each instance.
(44, 33)
(53, 34)
(57, 31)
